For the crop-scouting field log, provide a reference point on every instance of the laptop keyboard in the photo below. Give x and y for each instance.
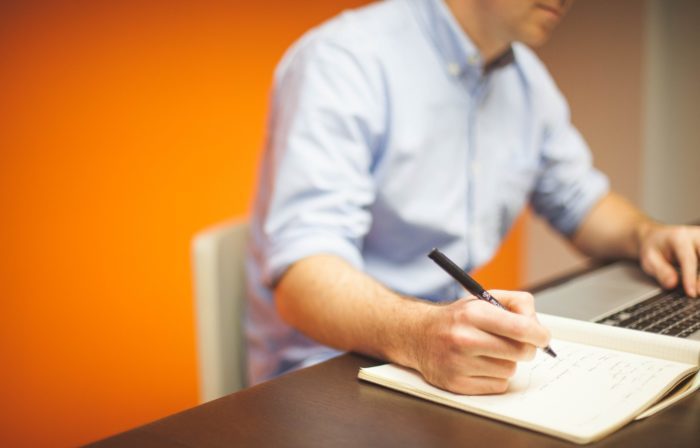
(670, 312)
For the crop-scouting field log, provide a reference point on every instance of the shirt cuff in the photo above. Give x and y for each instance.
(283, 254)
(581, 202)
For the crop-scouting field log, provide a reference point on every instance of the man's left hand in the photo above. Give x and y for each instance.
(662, 246)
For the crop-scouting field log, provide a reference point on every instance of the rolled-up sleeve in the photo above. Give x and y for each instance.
(569, 185)
(323, 134)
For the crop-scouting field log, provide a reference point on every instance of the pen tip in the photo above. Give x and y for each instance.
(548, 350)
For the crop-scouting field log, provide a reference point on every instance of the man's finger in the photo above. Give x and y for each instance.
(483, 343)
(491, 319)
(685, 254)
(479, 385)
(491, 367)
(516, 301)
(656, 265)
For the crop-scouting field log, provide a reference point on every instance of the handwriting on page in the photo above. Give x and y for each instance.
(620, 371)
(581, 386)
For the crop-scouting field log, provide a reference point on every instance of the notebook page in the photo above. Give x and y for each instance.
(689, 388)
(583, 394)
(633, 341)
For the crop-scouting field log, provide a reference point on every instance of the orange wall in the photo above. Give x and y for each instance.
(125, 127)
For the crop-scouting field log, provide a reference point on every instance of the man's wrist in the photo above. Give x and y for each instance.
(412, 333)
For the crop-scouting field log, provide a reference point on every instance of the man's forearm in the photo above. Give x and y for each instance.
(612, 229)
(332, 302)
(467, 346)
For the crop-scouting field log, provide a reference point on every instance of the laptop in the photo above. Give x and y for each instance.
(622, 295)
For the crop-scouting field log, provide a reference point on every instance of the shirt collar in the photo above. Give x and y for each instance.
(458, 51)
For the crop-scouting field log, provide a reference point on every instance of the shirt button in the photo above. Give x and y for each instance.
(473, 59)
(453, 69)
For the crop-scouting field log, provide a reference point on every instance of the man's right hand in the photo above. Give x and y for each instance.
(468, 346)
(472, 347)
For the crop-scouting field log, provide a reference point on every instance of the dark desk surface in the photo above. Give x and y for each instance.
(326, 405)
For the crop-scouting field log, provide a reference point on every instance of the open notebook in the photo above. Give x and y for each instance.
(602, 378)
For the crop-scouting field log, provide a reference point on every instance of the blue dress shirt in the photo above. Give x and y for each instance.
(387, 137)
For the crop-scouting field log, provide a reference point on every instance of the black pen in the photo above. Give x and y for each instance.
(471, 285)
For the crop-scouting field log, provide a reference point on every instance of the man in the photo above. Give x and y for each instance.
(408, 125)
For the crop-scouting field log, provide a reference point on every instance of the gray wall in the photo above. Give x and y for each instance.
(671, 168)
(629, 70)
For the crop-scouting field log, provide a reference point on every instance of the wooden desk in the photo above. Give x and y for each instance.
(327, 406)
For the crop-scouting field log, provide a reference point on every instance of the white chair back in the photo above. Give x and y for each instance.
(219, 282)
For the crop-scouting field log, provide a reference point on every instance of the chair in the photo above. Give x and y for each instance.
(219, 286)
